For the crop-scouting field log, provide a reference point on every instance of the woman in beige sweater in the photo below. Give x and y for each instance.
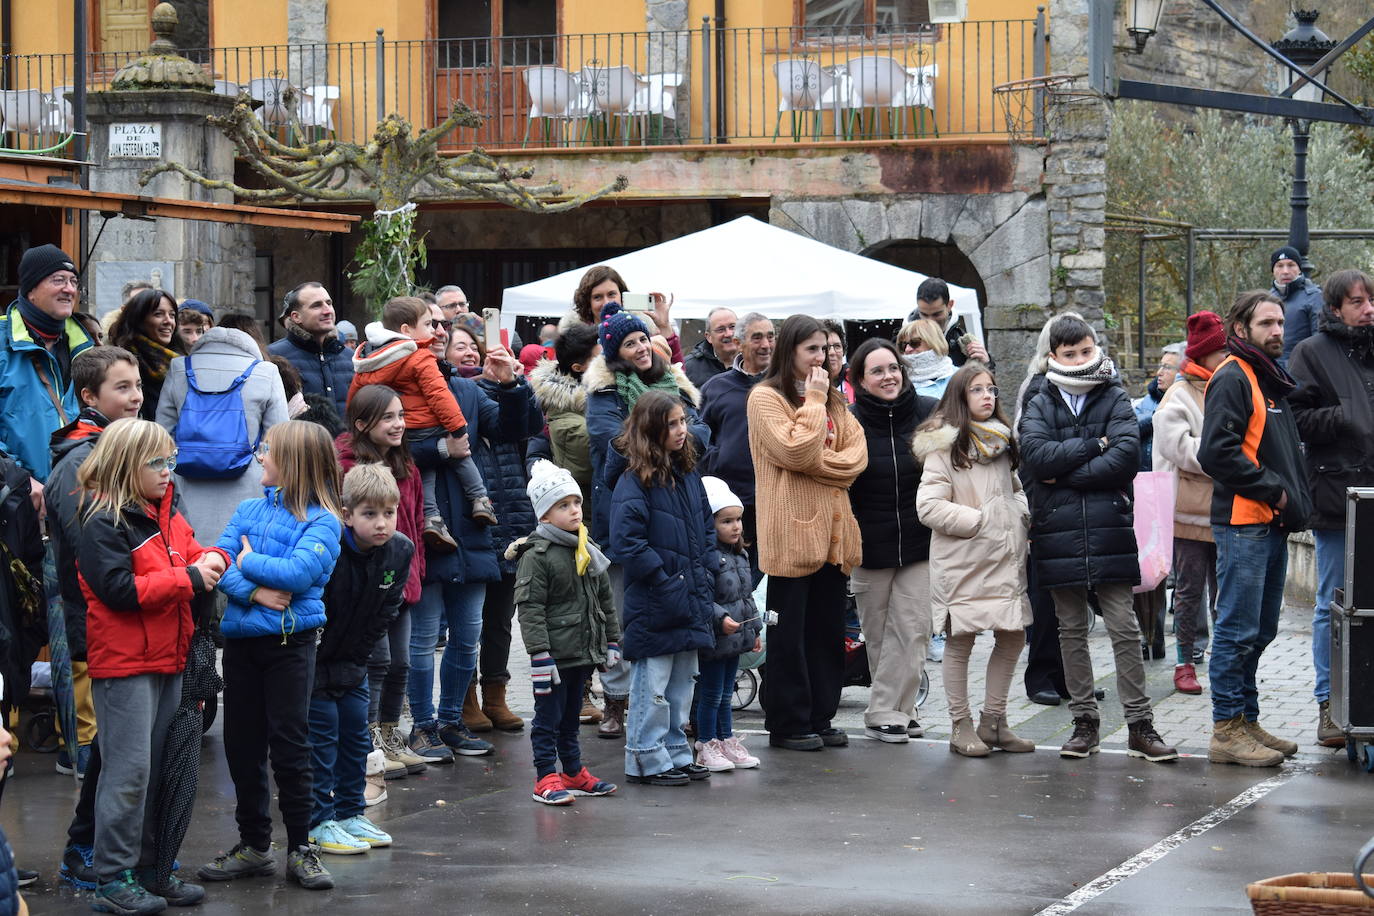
(807, 450)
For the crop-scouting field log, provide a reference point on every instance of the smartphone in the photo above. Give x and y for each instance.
(636, 302)
(492, 319)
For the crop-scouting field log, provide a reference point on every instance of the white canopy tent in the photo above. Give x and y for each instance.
(751, 266)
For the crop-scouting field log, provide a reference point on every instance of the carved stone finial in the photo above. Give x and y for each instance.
(164, 24)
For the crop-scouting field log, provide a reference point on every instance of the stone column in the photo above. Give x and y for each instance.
(670, 51)
(307, 31)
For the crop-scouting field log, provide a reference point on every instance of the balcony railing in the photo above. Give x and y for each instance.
(697, 86)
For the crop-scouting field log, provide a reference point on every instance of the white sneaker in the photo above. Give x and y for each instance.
(710, 756)
(935, 652)
(733, 750)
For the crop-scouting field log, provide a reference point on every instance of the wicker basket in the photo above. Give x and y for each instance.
(1310, 894)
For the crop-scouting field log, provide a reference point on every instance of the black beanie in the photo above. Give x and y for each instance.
(1288, 252)
(39, 263)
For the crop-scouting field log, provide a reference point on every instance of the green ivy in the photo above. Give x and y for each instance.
(385, 261)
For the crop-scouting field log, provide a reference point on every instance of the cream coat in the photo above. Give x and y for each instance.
(979, 519)
(1178, 432)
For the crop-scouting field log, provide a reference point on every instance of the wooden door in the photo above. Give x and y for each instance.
(124, 26)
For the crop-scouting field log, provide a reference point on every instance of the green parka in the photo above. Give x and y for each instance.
(569, 616)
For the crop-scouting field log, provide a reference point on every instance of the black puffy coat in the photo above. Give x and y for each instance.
(1082, 524)
(361, 599)
(503, 471)
(884, 495)
(734, 599)
(1334, 409)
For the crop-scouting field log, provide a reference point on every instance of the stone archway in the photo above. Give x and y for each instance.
(934, 259)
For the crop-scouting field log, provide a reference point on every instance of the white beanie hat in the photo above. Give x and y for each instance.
(719, 495)
(548, 484)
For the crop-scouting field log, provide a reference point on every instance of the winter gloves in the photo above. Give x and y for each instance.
(612, 655)
(544, 674)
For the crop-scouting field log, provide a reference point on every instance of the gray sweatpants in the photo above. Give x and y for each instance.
(134, 714)
(1118, 613)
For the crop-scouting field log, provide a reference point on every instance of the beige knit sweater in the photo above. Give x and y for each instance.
(801, 485)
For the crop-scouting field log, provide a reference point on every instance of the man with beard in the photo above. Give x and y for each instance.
(1301, 298)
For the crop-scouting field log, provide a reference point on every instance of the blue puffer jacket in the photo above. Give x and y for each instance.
(9, 879)
(288, 553)
(734, 599)
(505, 419)
(326, 369)
(503, 470)
(28, 416)
(666, 539)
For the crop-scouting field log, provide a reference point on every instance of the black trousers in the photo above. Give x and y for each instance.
(498, 610)
(82, 829)
(553, 733)
(804, 673)
(1044, 665)
(267, 712)
(751, 545)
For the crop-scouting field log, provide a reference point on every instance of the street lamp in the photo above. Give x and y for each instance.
(1142, 20)
(1304, 45)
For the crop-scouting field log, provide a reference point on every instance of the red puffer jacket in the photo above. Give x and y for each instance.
(138, 584)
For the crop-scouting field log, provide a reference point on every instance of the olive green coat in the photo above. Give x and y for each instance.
(569, 616)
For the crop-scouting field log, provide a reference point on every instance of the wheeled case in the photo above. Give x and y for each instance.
(1352, 631)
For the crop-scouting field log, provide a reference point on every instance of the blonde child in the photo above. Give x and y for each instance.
(283, 547)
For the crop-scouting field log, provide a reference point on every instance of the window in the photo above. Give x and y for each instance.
(843, 15)
(466, 27)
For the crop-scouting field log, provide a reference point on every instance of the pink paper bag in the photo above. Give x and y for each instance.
(1154, 527)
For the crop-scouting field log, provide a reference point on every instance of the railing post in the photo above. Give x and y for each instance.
(1038, 64)
(707, 132)
(381, 78)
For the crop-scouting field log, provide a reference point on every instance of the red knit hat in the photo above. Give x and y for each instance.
(1205, 335)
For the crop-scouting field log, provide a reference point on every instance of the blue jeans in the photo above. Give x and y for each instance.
(660, 697)
(1330, 576)
(460, 607)
(339, 745)
(715, 693)
(1252, 561)
(553, 733)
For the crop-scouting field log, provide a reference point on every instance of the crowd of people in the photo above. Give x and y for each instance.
(339, 508)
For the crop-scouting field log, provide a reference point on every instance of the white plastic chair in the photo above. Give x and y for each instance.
(59, 117)
(613, 91)
(920, 93)
(802, 87)
(657, 98)
(877, 82)
(227, 87)
(555, 95)
(270, 91)
(24, 111)
(316, 108)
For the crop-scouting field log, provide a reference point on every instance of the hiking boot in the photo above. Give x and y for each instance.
(1185, 679)
(710, 757)
(124, 895)
(551, 791)
(964, 739)
(483, 511)
(424, 740)
(472, 714)
(735, 752)
(392, 766)
(304, 867)
(1329, 733)
(1145, 742)
(437, 539)
(462, 741)
(495, 708)
(612, 719)
(591, 713)
(176, 891)
(1273, 742)
(331, 838)
(78, 867)
(1083, 741)
(83, 756)
(240, 862)
(394, 749)
(584, 783)
(995, 732)
(888, 734)
(1233, 743)
(360, 828)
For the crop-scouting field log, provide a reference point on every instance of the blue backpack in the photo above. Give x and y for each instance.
(212, 432)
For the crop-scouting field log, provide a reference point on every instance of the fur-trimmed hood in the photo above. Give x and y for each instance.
(928, 441)
(558, 392)
(569, 319)
(382, 348)
(597, 377)
(988, 442)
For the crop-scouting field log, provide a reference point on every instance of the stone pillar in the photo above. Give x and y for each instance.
(670, 51)
(1076, 175)
(307, 31)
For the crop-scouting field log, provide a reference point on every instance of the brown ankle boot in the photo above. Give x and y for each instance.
(995, 732)
(612, 719)
(473, 717)
(964, 739)
(591, 713)
(494, 705)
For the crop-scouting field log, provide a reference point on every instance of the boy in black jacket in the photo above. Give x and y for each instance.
(362, 598)
(1081, 444)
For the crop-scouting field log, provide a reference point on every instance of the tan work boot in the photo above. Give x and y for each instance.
(1233, 743)
(1329, 733)
(612, 719)
(494, 705)
(395, 748)
(591, 713)
(1274, 743)
(473, 717)
(964, 739)
(995, 732)
(395, 769)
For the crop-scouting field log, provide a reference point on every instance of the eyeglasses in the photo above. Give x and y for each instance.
(162, 463)
(261, 451)
(980, 390)
(834, 348)
(445, 323)
(58, 282)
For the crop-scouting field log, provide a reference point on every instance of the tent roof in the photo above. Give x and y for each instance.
(749, 265)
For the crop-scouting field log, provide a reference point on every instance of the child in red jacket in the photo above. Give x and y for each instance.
(138, 565)
(397, 354)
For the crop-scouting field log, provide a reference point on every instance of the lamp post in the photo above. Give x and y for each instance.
(1304, 45)
(1142, 20)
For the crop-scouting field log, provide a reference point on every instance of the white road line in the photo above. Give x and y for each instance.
(1141, 860)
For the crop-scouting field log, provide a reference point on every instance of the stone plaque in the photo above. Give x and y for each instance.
(110, 277)
(136, 141)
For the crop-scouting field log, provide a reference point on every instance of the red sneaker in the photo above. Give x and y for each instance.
(551, 791)
(1185, 680)
(584, 783)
